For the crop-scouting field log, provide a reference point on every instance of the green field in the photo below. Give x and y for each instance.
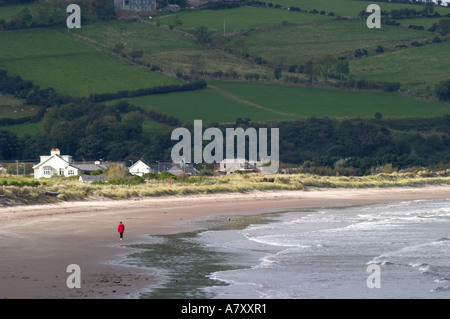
(6, 12)
(8, 99)
(18, 111)
(13, 107)
(52, 58)
(237, 19)
(348, 8)
(22, 129)
(416, 67)
(81, 62)
(170, 50)
(425, 22)
(224, 102)
(297, 44)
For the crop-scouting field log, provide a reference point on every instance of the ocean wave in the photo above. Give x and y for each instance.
(280, 240)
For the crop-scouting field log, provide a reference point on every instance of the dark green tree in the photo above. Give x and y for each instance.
(443, 90)
(203, 34)
(443, 27)
(277, 73)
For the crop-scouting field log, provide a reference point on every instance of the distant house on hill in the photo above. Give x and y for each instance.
(172, 8)
(57, 164)
(135, 5)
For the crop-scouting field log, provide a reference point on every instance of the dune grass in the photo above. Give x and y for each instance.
(69, 189)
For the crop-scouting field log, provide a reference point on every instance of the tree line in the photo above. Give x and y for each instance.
(115, 132)
(79, 126)
(93, 131)
(102, 97)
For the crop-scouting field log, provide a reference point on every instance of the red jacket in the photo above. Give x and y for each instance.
(121, 228)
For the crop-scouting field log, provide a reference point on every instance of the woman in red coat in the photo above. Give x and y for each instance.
(121, 229)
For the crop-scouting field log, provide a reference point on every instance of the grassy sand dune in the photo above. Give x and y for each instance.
(67, 189)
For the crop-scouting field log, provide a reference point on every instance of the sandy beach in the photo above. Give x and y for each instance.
(39, 242)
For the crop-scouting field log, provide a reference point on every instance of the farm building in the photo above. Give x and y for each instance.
(172, 8)
(135, 5)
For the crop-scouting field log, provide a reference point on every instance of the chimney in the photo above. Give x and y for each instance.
(55, 151)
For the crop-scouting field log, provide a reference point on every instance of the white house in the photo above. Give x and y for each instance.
(57, 164)
(140, 168)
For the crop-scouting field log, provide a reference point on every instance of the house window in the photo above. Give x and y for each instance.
(47, 171)
(70, 172)
(61, 171)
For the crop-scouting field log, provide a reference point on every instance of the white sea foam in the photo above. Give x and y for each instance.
(325, 254)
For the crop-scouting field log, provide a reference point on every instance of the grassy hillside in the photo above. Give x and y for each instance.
(296, 44)
(7, 11)
(81, 62)
(236, 19)
(54, 58)
(346, 8)
(171, 51)
(22, 129)
(417, 68)
(224, 102)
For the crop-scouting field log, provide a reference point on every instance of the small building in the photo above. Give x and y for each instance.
(230, 165)
(140, 168)
(57, 164)
(178, 168)
(135, 5)
(172, 8)
(93, 178)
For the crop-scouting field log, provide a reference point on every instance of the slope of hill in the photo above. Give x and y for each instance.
(53, 58)
(262, 64)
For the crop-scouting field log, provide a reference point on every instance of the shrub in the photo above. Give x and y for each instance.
(166, 176)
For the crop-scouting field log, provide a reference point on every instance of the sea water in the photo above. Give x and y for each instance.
(325, 253)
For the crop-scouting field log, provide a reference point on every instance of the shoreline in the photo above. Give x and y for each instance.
(40, 241)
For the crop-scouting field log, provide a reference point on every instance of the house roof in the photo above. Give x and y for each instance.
(89, 167)
(92, 178)
(138, 162)
(49, 158)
